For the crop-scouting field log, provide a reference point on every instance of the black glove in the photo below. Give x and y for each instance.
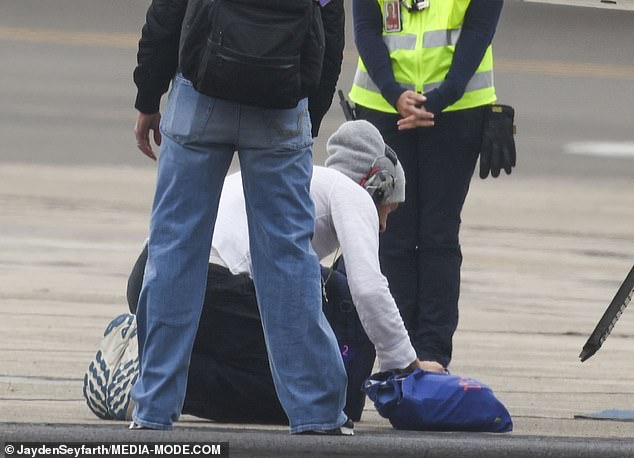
(498, 145)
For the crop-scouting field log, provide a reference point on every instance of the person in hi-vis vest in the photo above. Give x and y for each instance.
(424, 83)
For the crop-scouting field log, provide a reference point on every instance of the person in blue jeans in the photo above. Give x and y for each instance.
(229, 375)
(198, 136)
(229, 378)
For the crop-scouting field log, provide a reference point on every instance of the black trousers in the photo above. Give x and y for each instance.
(229, 376)
(420, 251)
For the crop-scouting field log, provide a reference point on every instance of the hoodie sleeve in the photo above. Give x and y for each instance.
(356, 222)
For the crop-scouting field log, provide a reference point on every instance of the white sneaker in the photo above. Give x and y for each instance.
(113, 371)
(95, 381)
(134, 425)
(118, 400)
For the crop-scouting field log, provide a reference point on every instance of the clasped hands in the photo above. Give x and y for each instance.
(410, 107)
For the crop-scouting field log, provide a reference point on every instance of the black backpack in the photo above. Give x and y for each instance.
(265, 53)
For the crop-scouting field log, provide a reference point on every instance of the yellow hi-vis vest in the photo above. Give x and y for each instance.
(421, 54)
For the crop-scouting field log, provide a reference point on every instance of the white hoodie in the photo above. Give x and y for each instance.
(346, 217)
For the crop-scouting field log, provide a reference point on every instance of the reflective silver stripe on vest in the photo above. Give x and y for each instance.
(438, 38)
(482, 80)
(400, 42)
(363, 80)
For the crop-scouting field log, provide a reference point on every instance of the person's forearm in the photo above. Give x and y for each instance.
(478, 29)
(368, 25)
(356, 226)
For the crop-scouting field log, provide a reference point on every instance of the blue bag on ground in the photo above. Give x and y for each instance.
(428, 401)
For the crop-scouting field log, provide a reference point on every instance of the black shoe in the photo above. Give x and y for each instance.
(347, 429)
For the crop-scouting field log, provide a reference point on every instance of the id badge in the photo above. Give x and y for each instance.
(392, 16)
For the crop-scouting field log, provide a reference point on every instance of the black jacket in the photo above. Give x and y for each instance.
(157, 56)
(319, 102)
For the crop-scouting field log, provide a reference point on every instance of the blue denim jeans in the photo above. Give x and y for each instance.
(200, 135)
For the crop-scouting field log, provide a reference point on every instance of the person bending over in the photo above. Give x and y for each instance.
(229, 376)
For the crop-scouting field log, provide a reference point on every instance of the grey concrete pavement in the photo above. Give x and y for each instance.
(543, 258)
(245, 442)
(544, 250)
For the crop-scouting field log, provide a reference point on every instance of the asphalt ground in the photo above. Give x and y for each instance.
(544, 249)
(542, 261)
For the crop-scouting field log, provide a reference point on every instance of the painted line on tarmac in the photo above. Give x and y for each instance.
(35, 242)
(63, 37)
(601, 149)
(37, 380)
(130, 41)
(565, 69)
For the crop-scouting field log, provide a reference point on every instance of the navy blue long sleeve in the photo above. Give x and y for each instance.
(481, 19)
